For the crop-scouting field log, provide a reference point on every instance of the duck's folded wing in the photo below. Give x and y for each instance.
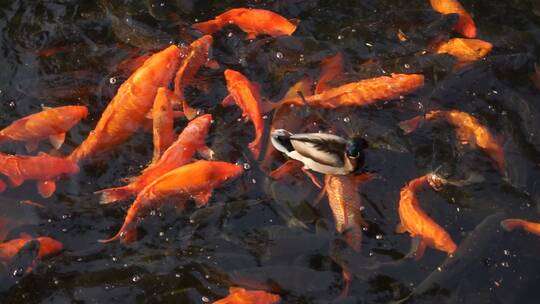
(327, 149)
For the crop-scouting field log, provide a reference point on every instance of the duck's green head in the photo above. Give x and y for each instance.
(355, 148)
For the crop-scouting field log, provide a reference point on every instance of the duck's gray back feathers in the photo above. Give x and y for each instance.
(323, 148)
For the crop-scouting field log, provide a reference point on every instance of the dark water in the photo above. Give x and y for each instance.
(261, 234)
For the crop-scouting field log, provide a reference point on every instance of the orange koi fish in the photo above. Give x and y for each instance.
(196, 180)
(126, 113)
(247, 97)
(178, 154)
(196, 57)
(346, 206)
(364, 92)
(465, 25)
(43, 168)
(511, 224)
(163, 123)
(285, 118)
(418, 224)
(331, 69)
(252, 21)
(469, 131)
(128, 65)
(47, 247)
(465, 50)
(239, 295)
(52, 123)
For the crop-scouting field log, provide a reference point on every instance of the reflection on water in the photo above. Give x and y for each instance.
(261, 234)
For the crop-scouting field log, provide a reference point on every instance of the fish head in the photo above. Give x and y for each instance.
(223, 171)
(49, 246)
(446, 244)
(480, 47)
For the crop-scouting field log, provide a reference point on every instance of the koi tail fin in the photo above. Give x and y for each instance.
(208, 27)
(410, 125)
(510, 224)
(189, 112)
(113, 195)
(114, 238)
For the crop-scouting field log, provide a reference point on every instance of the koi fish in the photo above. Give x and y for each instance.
(331, 69)
(247, 97)
(253, 22)
(128, 65)
(346, 206)
(126, 113)
(47, 247)
(418, 224)
(465, 24)
(363, 92)
(511, 224)
(196, 180)
(469, 131)
(196, 57)
(43, 168)
(285, 118)
(52, 123)
(465, 50)
(178, 154)
(163, 123)
(239, 295)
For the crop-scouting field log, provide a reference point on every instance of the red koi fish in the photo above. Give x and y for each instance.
(331, 69)
(511, 224)
(52, 123)
(465, 50)
(239, 295)
(127, 112)
(163, 123)
(363, 92)
(47, 247)
(247, 97)
(178, 154)
(196, 57)
(253, 22)
(346, 205)
(418, 224)
(469, 132)
(43, 168)
(465, 25)
(196, 180)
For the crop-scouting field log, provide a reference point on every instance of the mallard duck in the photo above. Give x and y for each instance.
(321, 152)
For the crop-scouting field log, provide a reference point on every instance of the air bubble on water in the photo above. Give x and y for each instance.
(153, 213)
(246, 166)
(55, 281)
(506, 252)
(12, 104)
(495, 91)
(162, 4)
(161, 233)
(177, 275)
(196, 20)
(364, 229)
(239, 119)
(279, 55)
(457, 209)
(18, 272)
(369, 44)
(371, 253)
(79, 259)
(339, 37)
(353, 30)
(49, 220)
(265, 117)
(212, 121)
(64, 230)
(112, 80)
(439, 269)
(253, 181)
(379, 236)
(136, 278)
(230, 34)
(205, 299)
(199, 112)
(346, 119)
(407, 66)
(505, 264)
(191, 221)
(65, 216)
(207, 276)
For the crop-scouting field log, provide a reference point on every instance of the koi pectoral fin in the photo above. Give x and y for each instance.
(418, 247)
(206, 152)
(228, 101)
(15, 181)
(400, 228)
(202, 198)
(31, 146)
(57, 140)
(46, 188)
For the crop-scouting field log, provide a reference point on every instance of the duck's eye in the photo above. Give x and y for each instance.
(353, 150)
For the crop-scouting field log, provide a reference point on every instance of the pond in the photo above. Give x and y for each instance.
(266, 234)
